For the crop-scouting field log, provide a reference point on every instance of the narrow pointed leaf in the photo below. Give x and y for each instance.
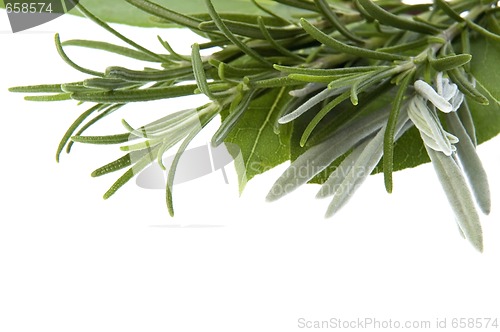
(70, 62)
(235, 40)
(390, 132)
(268, 36)
(344, 48)
(486, 33)
(58, 97)
(148, 75)
(67, 136)
(252, 30)
(139, 165)
(396, 21)
(445, 7)
(199, 71)
(45, 88)
(450, 62)
(232, 119)
(108, 28)
(108, 139)
(112, 48)
(119, 163)
(121, 96)
(330, 15)
(460, 79)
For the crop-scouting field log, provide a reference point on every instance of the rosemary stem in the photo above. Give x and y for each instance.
(449, 34)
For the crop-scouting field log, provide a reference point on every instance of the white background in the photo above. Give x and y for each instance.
(70, 261)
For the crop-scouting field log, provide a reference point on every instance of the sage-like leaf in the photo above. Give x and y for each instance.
(334, 181)
(362, 167)
(467, 121)
(471, 163)
(318, 157)
(459, 197)
(426, 91)
(358, 172)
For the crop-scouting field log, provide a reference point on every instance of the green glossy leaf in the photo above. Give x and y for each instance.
(260, 147)
(118, 11)
(485, 60)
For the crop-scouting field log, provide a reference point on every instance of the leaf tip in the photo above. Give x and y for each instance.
(388, 188)
(478, 244)
(272, 195)
(107, 195)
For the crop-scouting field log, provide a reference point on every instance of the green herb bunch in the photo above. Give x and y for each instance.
(342, 89)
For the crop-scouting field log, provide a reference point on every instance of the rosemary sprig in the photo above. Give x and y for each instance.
(335, 60)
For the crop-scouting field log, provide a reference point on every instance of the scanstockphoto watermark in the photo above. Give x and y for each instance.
(24, 14)
(491, 323)
(363, 323)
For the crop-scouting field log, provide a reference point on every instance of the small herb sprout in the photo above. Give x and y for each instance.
(342, 89)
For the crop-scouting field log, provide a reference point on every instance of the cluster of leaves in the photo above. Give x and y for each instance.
(325, 84)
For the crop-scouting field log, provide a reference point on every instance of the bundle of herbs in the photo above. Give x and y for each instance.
(342, 89)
